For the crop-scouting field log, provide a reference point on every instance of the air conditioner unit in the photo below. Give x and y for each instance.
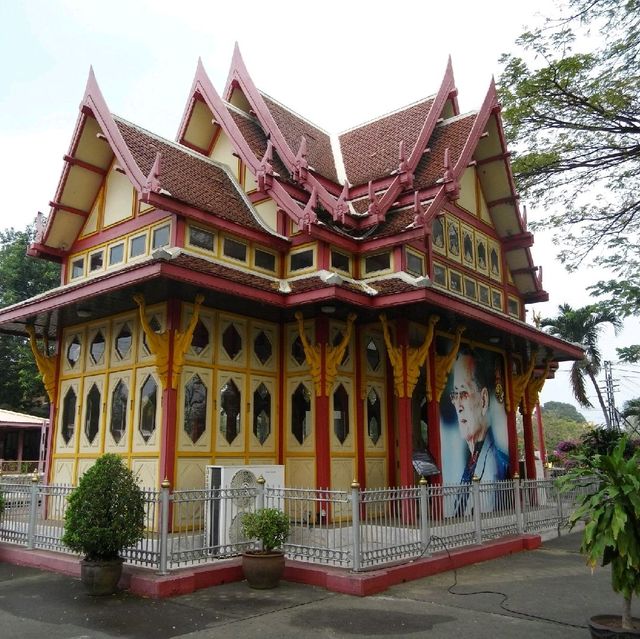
(229, 502)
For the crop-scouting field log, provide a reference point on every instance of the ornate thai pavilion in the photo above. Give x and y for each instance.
(260, 291)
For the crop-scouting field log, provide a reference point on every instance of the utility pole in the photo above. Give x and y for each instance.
(614, 420)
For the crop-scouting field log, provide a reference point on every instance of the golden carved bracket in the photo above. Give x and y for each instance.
(46, 363)
(519, 383)
(415, 357)
(333, 354)
(444, 364)
(160, 343)
(532, 393)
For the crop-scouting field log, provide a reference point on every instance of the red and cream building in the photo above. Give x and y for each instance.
(259, 291)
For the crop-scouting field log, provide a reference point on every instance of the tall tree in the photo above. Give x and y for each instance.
(571, 109)
(583, 326)
(21, 277)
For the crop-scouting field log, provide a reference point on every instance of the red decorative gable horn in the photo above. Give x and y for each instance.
(404, 170)
(342, 208)
(309, 216)
(451, 186)
(152, 185)
(376, 212)
(264, 174)
(301, 166)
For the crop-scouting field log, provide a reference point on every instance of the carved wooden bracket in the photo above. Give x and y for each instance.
(406, 360)
(443, 365)
(519, 383)
(46, 363)
(532, 394)
(159, 343)
(333, 356)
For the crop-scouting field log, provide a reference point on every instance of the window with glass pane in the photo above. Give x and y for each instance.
(341, 413)
(148, 403)
(116, 254)
(262, 413)
(200, 339)
(73, 351)
(119, 402)
(138, 246)
(374, 416)
(373, 354)
(230, 411)
(96, 349)
(96, 261)
(415, 264)
(262, 347)
(160, 237)
(378, 262)
(234, 250)
(201, 238)
(340, 261)
(68, 425)
(231, 341)
(303, 259)
(301, 413)
(195, 408)
(265, 260)
(297, 351)
(124, 340)
(92, 414)
(77, 268)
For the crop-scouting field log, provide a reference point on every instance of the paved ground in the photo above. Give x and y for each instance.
(542, 589)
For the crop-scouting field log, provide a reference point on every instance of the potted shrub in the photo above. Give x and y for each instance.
(105, 514)
(264, 568)
(611, 535)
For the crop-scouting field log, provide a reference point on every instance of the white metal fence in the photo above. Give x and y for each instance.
(356, 529)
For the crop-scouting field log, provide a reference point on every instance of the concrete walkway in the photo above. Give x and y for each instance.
(551, 583)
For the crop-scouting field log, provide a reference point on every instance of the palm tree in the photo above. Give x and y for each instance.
(582, 326)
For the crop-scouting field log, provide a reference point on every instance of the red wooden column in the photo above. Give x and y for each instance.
(403, 412)
(529, 455)
(543, 448)
(322, 425)
(512, 430)
(169, 403)
(433, 415)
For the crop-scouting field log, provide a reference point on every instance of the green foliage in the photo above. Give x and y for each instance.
(105, 512)
(571, 110)
(612, 514)
(21, 277)
(602, 441)
(583, 326)
(1, 503)
(269, 525)
(558, 427)
(562, 410)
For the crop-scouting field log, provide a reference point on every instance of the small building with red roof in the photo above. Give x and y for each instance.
(260, 291)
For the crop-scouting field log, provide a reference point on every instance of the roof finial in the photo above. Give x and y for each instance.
(341, 208)
(404, 170)
(374, 205)
(39, 227)
(301, 166)
(308, 214)
(451, 187)
(152, 185)
(265, 171)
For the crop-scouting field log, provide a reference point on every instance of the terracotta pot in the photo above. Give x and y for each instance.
(101, 577)
(608, 626)
(263, 569)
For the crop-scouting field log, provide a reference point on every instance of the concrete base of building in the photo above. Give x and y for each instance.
(146, 583)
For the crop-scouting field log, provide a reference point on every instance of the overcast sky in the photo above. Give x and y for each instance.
(336, 63)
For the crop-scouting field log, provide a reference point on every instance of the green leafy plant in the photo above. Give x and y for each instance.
(269, 525)
(1, 503)
(105, 512)
(612, 514)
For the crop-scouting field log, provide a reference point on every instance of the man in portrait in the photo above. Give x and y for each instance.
(471, 394)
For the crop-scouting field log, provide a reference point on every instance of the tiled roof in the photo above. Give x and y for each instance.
(370, 151)
(257, 140)
(453, 134)
(391, 285)
(293, 127)
(190, 179)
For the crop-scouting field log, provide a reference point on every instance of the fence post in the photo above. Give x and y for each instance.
(518, 503)
(425, 530)
(260, 494)
(355, 523)
(164, 526)
(33, 511)
(477, 510)
(560, 510)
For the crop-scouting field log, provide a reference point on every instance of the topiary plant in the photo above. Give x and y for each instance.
(105, 512)
(269, 525)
